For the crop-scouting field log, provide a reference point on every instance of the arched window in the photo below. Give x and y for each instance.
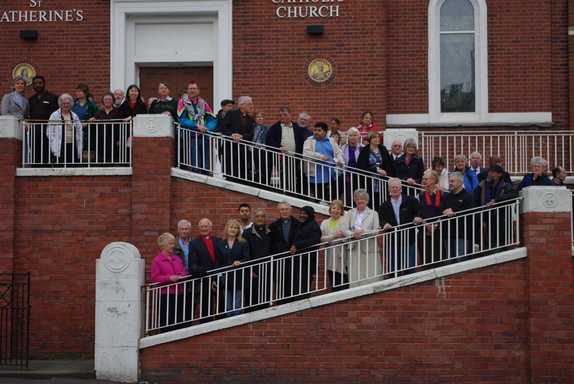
(458, 66)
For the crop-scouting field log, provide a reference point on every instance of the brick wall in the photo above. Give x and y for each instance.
(65, 53)
(10, 154)
(379, 51)
(62, 224)
(475, 331)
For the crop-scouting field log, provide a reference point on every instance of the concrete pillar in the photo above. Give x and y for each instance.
(120, 273)
(10, 159)
(546, 233)
(153, 154)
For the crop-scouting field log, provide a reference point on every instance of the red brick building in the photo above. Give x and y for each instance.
(486, 63)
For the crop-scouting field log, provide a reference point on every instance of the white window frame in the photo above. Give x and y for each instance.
(481, 66)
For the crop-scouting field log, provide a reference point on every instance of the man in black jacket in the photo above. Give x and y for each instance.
(489, 192)
(288, 138)
(399, 210)
(205, 256)
(458, 232)
(239, 125)
(282, 233)
(42, 104)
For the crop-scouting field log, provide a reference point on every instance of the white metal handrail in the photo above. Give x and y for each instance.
(285, 172)
(515, 148)
(98, 143)
(283, 277)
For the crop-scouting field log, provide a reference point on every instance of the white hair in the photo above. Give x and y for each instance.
(63, 97)
(361, 193)
(460, 157)
(457, 175)
(409, 142)
(537, 160)
(242, 100)
(183, 222)
(284, 203)
(304, 115)
(353, 131)
(476, 154)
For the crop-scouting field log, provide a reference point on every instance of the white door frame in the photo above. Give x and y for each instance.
(123, 69)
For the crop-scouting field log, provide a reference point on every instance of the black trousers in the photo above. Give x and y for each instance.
(170, 311)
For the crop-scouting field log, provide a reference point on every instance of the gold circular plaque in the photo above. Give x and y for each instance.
(25, 71)
(320, 70)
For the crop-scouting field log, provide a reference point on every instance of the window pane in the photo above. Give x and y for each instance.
(456, 15)
(457, 69)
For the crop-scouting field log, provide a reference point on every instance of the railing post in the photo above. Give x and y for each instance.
(120, 272)
(10, 157)
(545, 232)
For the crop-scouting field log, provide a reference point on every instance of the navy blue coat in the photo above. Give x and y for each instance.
(274, 136)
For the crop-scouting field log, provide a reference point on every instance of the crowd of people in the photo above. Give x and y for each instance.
(436, 225)
(442, 193)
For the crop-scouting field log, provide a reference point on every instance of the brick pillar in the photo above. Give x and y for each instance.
(153, 149)
(10, 159)
(546, 224)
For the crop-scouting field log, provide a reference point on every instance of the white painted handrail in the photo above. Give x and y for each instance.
(101, 143)
(515, 148)
(283, 277)
(284, 172)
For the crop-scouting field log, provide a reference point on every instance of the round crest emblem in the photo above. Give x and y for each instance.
(320, 70)
(24, 70)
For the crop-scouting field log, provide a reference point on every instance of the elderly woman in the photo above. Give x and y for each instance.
(364, 260)
(106, 136)
(167, 268)
(64, 132)
(333, 229)
(537, 177)
(234, 250)
(432, 204)
(470, 178)
(409, 166)
(15, 103)
(375, 160)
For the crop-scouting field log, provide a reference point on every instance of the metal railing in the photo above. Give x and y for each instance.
(14, 319)
(284, 172)
(103, 143)
(283, 277)
(515, 148)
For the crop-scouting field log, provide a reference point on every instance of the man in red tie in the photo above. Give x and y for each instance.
(204, 258)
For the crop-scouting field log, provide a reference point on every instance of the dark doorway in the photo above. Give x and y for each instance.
(177, 79)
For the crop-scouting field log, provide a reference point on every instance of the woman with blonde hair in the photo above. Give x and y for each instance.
(234, 250)
(167, 268)
(333, 229)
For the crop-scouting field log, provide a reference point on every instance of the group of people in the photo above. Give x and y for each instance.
(466, 218)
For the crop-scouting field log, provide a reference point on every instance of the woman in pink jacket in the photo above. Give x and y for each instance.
(167, 268)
